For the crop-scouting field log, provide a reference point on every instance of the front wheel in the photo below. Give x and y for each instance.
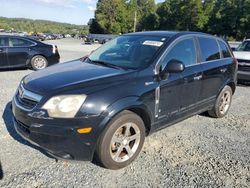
(121, 141)
(223, 103)
(39, 62)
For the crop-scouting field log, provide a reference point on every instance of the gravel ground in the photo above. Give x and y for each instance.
(198, 152)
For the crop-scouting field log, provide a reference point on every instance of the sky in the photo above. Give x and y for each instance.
(69, 11)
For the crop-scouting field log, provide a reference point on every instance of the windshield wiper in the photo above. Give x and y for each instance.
(106, 64)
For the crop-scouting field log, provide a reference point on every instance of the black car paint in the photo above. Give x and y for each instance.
(111, 91)
(20, 56)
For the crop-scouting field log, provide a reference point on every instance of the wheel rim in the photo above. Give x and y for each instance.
(225, 102)
(40, 63)
(125, 142)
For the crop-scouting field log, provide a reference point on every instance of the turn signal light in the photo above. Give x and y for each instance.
(84, 130)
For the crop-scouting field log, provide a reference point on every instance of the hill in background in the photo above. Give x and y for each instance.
(41, 26)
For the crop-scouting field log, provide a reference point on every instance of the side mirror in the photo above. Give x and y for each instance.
(233, 49)
(173, 66)
(84, 58)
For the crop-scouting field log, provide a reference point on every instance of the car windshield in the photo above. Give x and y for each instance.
(132, 52)
(245, 46)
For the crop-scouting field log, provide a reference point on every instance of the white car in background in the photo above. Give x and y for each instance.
(242, 54)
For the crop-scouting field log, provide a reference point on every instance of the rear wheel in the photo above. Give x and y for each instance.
(121, 141)
(39, 62)
(222, 104)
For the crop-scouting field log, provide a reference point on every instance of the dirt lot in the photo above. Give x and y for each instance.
(198, 152)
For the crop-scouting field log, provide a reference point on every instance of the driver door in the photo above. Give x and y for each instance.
(179, 92)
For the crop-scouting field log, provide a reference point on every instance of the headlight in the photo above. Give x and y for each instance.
(64, 106)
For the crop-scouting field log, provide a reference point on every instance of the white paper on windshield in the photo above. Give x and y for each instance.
(152, 43)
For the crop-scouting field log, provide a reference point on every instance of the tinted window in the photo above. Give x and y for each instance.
(3, 42)
(209, 49)
(183, 51)
(224, 49)
(16, 42)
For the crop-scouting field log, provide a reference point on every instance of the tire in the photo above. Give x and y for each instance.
(38, 62)
(119, 145)
(223, 103)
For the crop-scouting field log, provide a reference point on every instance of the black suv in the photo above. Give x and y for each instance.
(24, 52)
(104, 105)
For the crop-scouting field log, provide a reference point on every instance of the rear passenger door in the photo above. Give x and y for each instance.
(215, 68)
(18, 51)
(3, 53)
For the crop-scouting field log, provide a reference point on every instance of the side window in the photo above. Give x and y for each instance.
(183, 51)
(224, 49)
(3, 42)
(16, 42)
(209, 49)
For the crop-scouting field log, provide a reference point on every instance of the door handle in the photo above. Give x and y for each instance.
(198, 77)
(223, 70)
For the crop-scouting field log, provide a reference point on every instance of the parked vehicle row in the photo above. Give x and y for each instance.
(23, 52)
(102, 106)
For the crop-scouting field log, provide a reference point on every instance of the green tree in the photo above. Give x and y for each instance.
(184, 14)
(111, 16)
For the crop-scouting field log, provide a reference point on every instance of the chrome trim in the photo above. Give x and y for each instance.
(157, 101)
(25, 94)
(19, 106)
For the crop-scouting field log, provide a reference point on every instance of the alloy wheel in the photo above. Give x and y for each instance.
(125, 142)
(225, 102)
(40, 63)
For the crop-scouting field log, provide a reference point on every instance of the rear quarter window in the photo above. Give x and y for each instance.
(17, 42)
(224, 49)
(209, 49)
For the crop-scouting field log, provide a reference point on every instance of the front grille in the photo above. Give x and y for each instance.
(243, 61)
(26, 103)
(244, 68)
(244, 65)
(23, 127)
(27, 99)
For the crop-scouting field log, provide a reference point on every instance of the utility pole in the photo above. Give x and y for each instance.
(135, 20)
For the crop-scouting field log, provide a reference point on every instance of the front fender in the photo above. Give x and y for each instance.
(126, 103)
(132, 102)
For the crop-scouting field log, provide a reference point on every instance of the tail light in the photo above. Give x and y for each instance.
(54, 49)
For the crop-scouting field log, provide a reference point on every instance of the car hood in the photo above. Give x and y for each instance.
(242, 55)
(67, 75)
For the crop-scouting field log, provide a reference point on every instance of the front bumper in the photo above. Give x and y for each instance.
(244, 75)
(58, 137)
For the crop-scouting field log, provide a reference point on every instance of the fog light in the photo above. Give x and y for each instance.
(84, 130)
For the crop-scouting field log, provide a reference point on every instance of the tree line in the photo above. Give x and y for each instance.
(40, 26)
(228, 18)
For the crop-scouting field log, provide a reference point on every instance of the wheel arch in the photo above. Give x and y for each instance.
(132, 104)
(233, 86)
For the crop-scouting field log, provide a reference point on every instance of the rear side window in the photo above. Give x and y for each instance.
(3, 42)
(224, 49)
(16, 42)
(209, 49)
(183, 51)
